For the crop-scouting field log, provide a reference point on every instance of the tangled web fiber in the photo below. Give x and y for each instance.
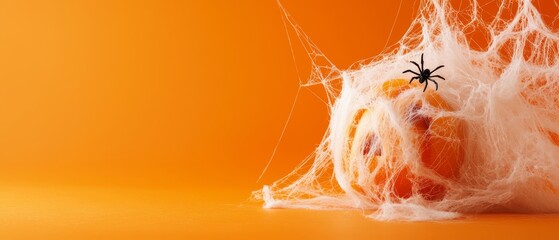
(495, 119)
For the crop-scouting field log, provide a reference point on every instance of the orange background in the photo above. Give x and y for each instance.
(155, 118)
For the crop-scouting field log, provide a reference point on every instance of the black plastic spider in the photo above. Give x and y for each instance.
(424, 75)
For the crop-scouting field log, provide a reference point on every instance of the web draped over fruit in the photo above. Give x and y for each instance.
(496, 119)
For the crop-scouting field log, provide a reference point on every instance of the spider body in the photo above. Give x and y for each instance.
(424, 74)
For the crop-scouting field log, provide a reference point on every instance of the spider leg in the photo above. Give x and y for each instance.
(411, 72)
(422, 62)
(436, 84)
(437, 68)
(426, 84)
(438, 77)
(411, 80)
(417, 66)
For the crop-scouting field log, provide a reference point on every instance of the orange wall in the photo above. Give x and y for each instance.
(169, 93)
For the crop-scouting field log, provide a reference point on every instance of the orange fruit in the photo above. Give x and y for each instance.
(375, 143)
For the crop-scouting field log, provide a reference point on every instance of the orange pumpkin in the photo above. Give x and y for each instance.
(376, 143)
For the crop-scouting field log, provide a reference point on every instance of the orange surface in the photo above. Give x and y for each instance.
(153, 119)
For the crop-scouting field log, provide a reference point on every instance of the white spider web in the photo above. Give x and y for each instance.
(504, 88)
